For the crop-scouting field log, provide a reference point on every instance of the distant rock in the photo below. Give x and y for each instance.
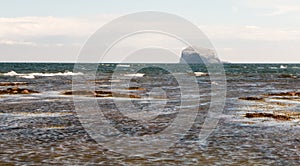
(198, 55)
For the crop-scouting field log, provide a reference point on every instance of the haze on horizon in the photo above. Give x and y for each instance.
(264, 31)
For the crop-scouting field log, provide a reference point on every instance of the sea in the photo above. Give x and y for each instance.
(46, 127)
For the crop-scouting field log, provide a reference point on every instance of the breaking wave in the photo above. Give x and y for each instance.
(33, 75)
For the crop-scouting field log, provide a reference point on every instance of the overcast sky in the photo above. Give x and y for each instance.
(241, 31)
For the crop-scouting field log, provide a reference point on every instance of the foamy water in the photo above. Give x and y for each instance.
(33, 75)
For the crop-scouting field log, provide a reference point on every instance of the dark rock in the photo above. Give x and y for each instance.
(136, 88)
(17, 91)
(115, 94)
(78, 93)
(101, 93)
(287, 76)
(252, 98)
(13, 83)
(284, 94)
(268, 115)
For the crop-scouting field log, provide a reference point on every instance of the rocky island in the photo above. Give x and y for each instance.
(198, 55)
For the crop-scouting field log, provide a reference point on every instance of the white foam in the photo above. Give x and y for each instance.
(122, 65)
(32, 75)
(135, 75)
(11, 73)
(198, 74)
(26, 115)
(28, 76)
(283, 67)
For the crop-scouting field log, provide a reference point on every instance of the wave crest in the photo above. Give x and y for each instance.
(33, 75)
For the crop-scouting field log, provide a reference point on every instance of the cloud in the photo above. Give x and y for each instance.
(251, 27)
(252, 43)
(48, 39)
(32, 29)
(272, 7)
(12, 42)
(251, 32)
(284, 10)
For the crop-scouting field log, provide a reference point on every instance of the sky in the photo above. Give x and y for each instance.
(247, 31)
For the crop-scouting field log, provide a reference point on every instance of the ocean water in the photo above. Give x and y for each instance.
(45, 128)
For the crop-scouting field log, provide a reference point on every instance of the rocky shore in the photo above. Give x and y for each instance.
(106, 93)
(16, 90)
(279, 99)
(13, 83)
(275, 115)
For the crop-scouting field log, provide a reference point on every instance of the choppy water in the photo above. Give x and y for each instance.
(44, 127)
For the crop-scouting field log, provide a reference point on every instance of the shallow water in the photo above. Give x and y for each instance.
(44, 128)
